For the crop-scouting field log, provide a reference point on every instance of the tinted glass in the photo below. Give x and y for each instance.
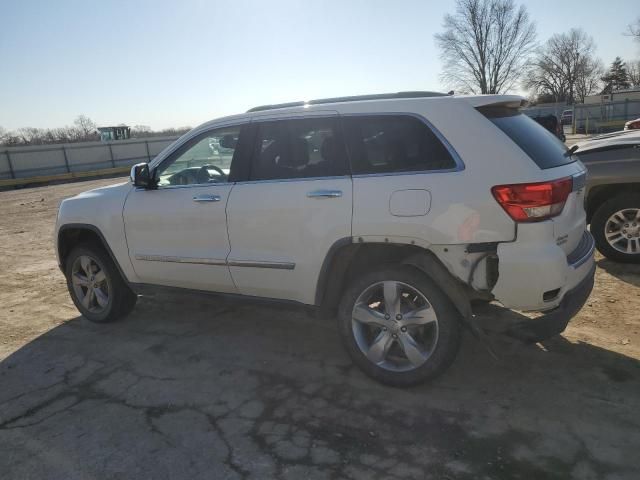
(539, 144)
(394, 143)
(205, 159)
(298, 149)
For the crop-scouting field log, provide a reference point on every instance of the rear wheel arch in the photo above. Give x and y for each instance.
(348, 260)
(599, 194)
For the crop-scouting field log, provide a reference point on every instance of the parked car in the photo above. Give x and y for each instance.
(613, 193)
(632, 124)
(391, 212)
(551, 123)
(567, 117)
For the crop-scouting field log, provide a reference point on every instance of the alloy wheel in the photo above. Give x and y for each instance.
(622, 231)
(394, 326)
(90, 284)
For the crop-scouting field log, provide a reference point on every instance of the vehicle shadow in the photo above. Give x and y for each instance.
(194, 386)
(627, 272)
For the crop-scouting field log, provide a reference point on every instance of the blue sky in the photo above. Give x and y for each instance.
(172, 63)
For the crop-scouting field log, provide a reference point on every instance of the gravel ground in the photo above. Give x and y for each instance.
(198, 387)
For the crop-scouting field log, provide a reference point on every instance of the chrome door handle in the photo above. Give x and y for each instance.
(206, 198)
(325, 194)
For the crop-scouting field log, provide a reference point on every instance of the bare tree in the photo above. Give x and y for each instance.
(30, 135)
(86, 127)
(565, 67)
(633, 73)
(588, 78)
(485, 45)
(633, 30)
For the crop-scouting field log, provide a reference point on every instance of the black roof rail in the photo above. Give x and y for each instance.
(354, 98)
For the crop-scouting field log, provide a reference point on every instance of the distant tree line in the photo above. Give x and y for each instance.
(83, 130)
(490, 46)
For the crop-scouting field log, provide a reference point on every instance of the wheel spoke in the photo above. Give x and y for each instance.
(380, 347)
(85, 263)
(100, 276)
(421, 316)
(86, 300)
(618, 218)
(614, 237)
(391, 292)
(101, 297)
(365, 314)
(412, 350)
(79, 279)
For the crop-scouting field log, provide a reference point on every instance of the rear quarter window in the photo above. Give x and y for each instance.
(394, 143)
(543, 147)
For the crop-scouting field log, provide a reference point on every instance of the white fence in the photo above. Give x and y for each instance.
(604, 117)
(44, 160)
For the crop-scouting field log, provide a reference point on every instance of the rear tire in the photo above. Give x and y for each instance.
(399, 343)
(615, 225)
(96, 287)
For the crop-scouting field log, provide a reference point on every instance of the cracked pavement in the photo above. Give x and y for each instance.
(192, 386)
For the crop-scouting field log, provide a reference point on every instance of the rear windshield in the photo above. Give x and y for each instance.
(542, 146)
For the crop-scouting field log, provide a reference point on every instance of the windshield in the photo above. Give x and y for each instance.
(540, 145)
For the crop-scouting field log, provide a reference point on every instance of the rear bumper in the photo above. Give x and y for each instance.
(555, 321)
(535, 274)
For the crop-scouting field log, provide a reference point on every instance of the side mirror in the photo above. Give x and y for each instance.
(140, 175)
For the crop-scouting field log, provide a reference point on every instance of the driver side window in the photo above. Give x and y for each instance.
(203, 160)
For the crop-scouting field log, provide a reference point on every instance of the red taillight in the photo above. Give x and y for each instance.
(533, 202)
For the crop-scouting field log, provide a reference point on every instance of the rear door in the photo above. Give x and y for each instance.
(296, 204)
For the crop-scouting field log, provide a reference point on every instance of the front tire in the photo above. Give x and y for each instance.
(96, 287)
(399, 327)
(615, 226)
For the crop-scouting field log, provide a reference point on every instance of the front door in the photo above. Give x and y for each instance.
(295, 206)
(177, 234)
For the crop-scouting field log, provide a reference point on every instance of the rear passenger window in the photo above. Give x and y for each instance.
(394, 143)
(301, 148)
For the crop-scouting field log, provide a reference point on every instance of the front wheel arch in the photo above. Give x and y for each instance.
(72, 234)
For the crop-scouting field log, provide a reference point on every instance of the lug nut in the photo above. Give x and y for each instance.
(403, 329)
(398, 317)
(626, 225)
(628, 236)
(394, 335)
(387, 316)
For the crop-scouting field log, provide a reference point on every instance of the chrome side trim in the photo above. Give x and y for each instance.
(286, 180)
(257, 264)
(164, 258)
(214, 261)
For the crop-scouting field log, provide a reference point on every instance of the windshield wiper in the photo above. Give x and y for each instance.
(571, 151)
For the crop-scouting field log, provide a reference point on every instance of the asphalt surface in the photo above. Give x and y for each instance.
(195, 387)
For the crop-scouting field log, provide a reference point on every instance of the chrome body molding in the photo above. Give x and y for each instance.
(215, 261)
(258, 264)
(164, 258)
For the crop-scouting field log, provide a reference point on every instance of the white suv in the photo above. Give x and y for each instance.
(391, 211)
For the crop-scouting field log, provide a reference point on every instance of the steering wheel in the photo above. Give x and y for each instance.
(203, 175)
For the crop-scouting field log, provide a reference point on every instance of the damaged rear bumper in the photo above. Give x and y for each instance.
(555, 321)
